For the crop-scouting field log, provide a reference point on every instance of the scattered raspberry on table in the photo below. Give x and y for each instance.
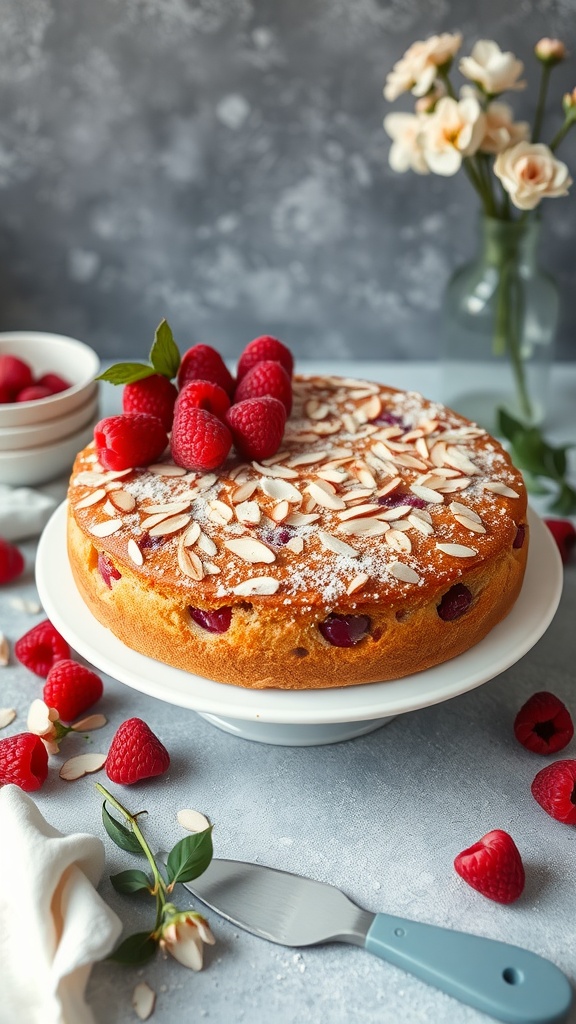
(41, 647)
(493, 866)
(71, 688)
(135, 754)
(554, 788)
(543, 724)
(11, 562)
(23, 761)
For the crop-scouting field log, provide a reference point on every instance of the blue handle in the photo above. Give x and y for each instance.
(509, 983)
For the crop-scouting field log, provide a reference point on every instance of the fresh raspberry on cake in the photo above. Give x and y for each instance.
(6, 395)
(564, 534)
(257, 426)
(11, 562)
(15, 374)
(23, 761)
(201, 362)
(203, 394)
(263, 349)
(33, 393)
(266, 378)
(554, 788)
(54, 382)
(543, 724)
(71, 688)
(493, 866)
(130, 440)
(200, 441)
(41, 647)
(154, 395)
(135, 754)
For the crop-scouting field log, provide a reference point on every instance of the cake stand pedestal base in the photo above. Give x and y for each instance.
(285, 735)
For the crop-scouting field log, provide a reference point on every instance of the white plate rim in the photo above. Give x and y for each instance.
(503, 647)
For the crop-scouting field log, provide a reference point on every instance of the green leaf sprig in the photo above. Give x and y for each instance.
(539, 461)
(188, 859)
(164, 359)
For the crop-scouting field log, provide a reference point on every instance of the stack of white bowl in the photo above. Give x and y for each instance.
(39, 439)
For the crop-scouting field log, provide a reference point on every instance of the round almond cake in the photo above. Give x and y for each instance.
(386, 536)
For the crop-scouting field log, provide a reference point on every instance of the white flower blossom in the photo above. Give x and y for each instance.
(41, 721)
(406, 151)
(418, 68)
(491, 68)
(184, 937)
(530, 172)
(453, 131)
(502, 131)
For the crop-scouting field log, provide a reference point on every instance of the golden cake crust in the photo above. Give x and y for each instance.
(312, 533)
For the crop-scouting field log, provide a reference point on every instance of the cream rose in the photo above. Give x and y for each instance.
(501, 130)
(418, 68)
(406, 151)
(550, 51)
(453, 131)
(491, 68)
(184, 936)
(530, 172)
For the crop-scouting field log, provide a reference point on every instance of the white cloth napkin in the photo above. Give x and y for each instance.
(53, 923)
(24, 512)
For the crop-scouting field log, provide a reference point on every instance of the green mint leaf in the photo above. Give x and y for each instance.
(132, 881)
(121, 835)
(126, 373)
(564, 503)
(528, 451)
(507, 425)
(164, 354)
(136, 949)
(190, 857)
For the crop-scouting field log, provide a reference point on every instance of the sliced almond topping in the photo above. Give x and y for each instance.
(211, 569)
(457, 509)
(280, 512)
(446, 472)
(143, 1000)
(91, 499)
(421, 525)
(220, 512)
(307, 458)
(257, 585)
(280, 490)
(365, 477)
(422, 448)
(90, 723)
(316, 410)
(331, 543)
(192, 821)
(206, 481)
(431, 480)
(248, 512)
(244, 491)
(350, 423)
(398, 541)
(106, 529)
(332, 476)
(457, 550)
(4, 651)
(409, 462)
(281, 472)
(167, 508)
(189, 563)
(326, 485)
(191, 535)
(250, 549)
(403, 572)
(437, 453)
(90, 478)
(394, 513)
(166, 469)
(400, 524)
(109, 509)
(123, 500)
(470, 524)
(207, 545)
(134, 552)
(413, 435)
(390, 486)
(371, 409)
(326, 427)
(388, 432)
(295, 544)
(459, 483)
(308, 504)
(168, 526)
(357, 511)
(300, 519)
(7, 716)
(323, 497)
(427, 494)
(422, 513)
(364, 527)
(358, 494)
(428, 426)
(499, 488)
(82, 764)
(458, 460)
(357, 583)
(301, 437)
(277, 457)
(118, 474)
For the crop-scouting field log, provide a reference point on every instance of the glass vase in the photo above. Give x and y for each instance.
(500, 316)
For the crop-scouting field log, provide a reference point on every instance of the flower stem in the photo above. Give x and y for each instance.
(561, 133)
(159, 887)
(544, 79)
(508, 329)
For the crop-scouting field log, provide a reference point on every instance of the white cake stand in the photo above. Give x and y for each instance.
(308, 717)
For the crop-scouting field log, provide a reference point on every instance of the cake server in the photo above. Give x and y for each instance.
(507, 982)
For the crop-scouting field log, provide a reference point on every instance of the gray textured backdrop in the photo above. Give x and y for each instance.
(222, 163)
